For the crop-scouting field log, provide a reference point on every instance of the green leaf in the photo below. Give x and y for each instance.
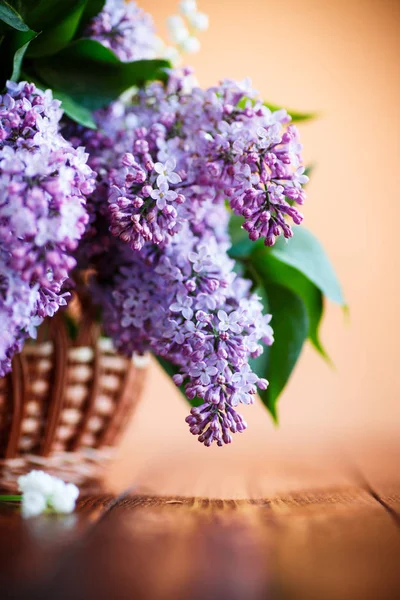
(272, 271)
(171, 370)
(43, 15)
(296, 115)
(75, 111)
(305, 253)
(242, 246)
(58, 35)
(10, 16)
(87, 48)
(92, 8)
(19, 55)
(309, 169)
(93, 76)
(290, 325)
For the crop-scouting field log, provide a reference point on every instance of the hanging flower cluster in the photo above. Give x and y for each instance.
(43, 187)
(144, 202)
(168, 164)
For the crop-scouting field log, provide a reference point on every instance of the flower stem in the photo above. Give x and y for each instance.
(10, 498)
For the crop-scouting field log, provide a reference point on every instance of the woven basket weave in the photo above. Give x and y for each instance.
(65, 403)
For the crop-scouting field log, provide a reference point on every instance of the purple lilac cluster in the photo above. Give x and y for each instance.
(126, 29)
(221, 144)
(186, 304)
(168, 163)
(43, 187)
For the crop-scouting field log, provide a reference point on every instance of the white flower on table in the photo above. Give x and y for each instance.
(41, 491)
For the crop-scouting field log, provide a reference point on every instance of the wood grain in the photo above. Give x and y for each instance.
(340, 543)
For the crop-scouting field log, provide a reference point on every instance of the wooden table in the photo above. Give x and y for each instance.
(331, 542)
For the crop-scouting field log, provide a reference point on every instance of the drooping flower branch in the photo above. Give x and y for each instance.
(43, 187)
(169, 163)
(169, 167)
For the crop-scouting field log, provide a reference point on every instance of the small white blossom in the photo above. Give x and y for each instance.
(198, 20)
(191, 45)
(36, 481)
(41, 491)
(177, 30)
(188, 7)
(171, 53)
(64, 496)
(33, 504)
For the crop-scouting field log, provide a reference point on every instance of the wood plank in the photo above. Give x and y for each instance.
(338, 544)
(31, 549)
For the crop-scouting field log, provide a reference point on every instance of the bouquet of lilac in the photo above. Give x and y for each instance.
(178, 200)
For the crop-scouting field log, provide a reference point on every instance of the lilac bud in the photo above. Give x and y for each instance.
(178, 379)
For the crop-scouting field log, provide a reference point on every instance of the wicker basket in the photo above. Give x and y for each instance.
(65, 403)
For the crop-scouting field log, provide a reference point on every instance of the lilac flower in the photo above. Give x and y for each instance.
(203, 371)
(166, 172)
(212, 146)
(163, 195)
(182, 305)
(201, 260)
(126, 29)
(43, 191)
(229, 322)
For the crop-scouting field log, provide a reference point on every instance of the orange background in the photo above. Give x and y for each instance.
(340, 58)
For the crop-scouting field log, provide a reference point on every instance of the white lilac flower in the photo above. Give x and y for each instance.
(198, 20)
(190, 44)
(41, 492)
(63, 497)
(33, 504)
(188, 7)
(177, 30)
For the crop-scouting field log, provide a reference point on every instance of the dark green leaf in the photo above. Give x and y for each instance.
(10, 16)
(43, 15)
(57, 37)
(309, 169)
(306, 254)
(296, 115)
(91, 49)
(92, 9)
(93, 76)
(172, 370)
(290, 325)
(272, 271)
(19, 55)
(75, 111)
(242, 246)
